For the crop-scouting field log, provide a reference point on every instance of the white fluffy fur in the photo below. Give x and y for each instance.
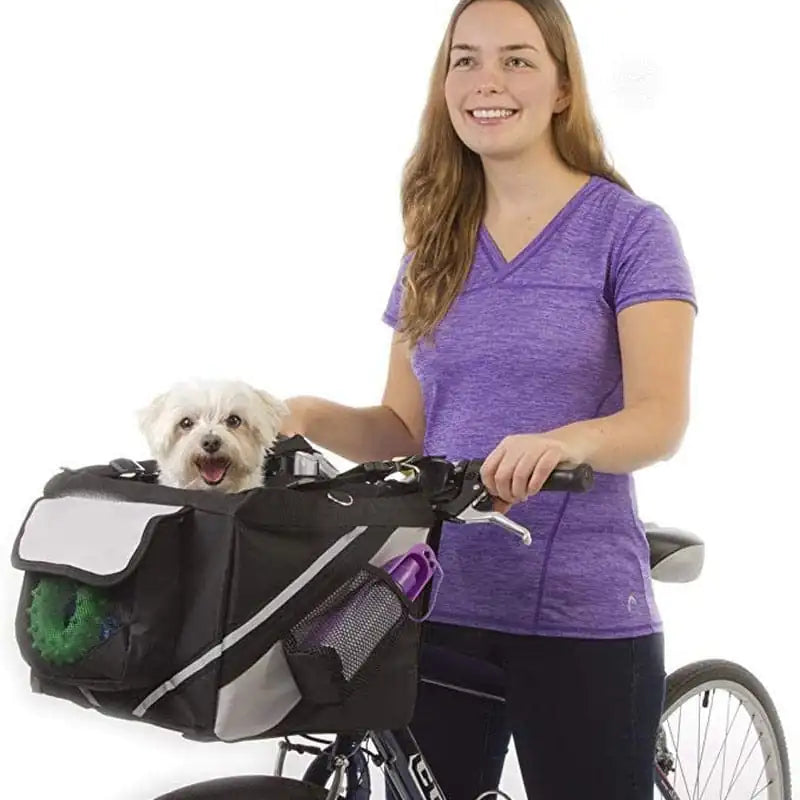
(210, 405)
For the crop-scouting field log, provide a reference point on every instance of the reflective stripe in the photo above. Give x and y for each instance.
(247, 627)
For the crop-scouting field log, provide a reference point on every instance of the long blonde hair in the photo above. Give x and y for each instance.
(443, 192)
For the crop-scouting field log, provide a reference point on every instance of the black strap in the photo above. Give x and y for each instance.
(435, 477)
(279, 460)
(285, 445)
(137, 470)
(366, 473)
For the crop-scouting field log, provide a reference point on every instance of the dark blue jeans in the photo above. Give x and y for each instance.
(584, 713)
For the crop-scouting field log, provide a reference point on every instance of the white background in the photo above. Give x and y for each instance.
(213, 189)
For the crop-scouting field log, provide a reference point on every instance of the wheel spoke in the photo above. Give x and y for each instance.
(736, 765)
(722, 747)
(677, 750)
(705, 735)
(755, 743)
(755, 793)
(725, 752)
(721, 752)
(697, 776)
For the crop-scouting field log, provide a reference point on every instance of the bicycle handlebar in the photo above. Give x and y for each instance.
(570, 479)
(561, 479)
(473, 504)
(453, 487)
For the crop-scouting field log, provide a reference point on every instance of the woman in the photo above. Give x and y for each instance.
(543, 316)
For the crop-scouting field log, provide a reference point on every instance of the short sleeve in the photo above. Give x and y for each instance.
(391, 314)
(651, 264)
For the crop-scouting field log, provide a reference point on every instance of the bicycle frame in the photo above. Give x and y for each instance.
(410, 777)
(407, 772)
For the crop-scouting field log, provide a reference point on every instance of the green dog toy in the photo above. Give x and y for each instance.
(66, 619)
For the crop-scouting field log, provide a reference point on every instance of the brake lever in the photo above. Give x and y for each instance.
(472, 505)
(471, 514)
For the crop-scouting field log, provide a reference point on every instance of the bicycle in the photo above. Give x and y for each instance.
(340, 767)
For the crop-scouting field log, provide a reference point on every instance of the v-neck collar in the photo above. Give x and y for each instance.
(496, 257)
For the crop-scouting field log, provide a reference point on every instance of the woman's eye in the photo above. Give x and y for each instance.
(233, 421)
(460, 61)
(518, 62)
(186, 423)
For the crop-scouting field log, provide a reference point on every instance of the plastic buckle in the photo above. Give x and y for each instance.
(127, 468)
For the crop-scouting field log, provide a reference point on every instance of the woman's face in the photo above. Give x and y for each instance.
(502, 84)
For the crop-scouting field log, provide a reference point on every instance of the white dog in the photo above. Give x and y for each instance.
(212, 434)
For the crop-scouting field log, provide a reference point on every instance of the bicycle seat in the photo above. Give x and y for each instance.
(676, 556)
(248, 787)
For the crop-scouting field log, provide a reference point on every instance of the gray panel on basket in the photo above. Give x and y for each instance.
(95, 534)
(258, 699)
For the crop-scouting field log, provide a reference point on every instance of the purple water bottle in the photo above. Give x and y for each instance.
(354, 629)
(412, 571)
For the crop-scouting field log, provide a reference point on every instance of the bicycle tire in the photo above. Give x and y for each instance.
(248, 787)
(685, 680)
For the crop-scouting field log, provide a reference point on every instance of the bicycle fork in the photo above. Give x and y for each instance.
(407, 773)
(664, 764)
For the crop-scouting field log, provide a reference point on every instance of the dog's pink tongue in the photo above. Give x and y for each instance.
(213, 471)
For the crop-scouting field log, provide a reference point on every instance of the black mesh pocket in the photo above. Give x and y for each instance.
(341, 642)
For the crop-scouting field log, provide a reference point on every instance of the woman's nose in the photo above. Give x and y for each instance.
(488, 80)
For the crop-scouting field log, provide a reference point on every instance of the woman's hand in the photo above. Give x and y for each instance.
(518, 467)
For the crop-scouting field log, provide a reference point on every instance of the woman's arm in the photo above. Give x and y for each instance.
(396, 427)
(655, 345)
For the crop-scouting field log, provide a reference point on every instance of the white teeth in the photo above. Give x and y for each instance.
(491, 113)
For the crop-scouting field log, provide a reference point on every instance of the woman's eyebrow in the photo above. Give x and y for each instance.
(475, 48)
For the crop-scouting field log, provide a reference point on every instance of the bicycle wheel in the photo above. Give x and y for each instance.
(248, 787)
(721, 736)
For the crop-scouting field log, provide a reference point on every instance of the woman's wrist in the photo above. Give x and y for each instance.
(299, 416)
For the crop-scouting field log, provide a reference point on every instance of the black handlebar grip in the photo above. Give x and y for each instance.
(561, 479)
(570, 479)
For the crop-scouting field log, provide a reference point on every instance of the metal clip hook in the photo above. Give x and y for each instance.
(347, 502)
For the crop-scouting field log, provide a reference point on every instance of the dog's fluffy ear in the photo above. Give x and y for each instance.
(274, 411)
(148, 418)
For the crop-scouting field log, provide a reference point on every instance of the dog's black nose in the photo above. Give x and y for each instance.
(211, 443)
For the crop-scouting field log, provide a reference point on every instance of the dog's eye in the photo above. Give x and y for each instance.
(233, 421)
(186, 423)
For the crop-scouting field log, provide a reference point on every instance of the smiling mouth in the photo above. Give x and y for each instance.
(213, 470)
(492, 115)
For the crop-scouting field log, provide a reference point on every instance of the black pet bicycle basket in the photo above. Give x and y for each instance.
(222, 616)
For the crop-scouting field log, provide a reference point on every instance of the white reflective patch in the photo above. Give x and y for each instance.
(258, 699)
(95, 534)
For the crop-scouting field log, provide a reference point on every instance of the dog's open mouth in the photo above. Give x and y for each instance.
(213, 470)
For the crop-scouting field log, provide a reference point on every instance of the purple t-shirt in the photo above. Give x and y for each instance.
(528, 346)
